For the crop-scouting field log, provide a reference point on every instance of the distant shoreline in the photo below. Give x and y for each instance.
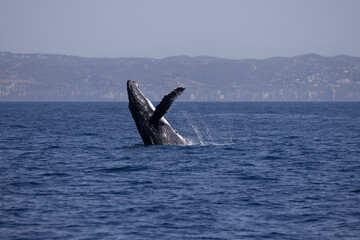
(51, 77)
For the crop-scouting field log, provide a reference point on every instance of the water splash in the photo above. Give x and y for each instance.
(203, 134)
(195, 129)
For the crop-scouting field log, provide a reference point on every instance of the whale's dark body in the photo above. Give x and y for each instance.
(152, 126)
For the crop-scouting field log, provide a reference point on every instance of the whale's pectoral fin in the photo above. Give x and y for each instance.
(165, 104)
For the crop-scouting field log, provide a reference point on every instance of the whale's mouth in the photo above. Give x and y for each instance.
(134, 93)
(137, 98)
(132, 87)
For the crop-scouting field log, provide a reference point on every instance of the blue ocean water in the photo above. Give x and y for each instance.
(253, 171)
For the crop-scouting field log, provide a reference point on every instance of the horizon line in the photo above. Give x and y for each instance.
(171, 56)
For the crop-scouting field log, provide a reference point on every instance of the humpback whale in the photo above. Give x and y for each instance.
(152, 126)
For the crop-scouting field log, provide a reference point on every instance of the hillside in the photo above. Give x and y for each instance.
(46, 77)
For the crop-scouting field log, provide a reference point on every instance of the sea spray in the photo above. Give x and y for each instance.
(203, 135)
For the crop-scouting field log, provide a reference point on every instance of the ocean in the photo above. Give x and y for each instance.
(252, 171)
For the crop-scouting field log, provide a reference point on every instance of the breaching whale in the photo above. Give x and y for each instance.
(152, 126)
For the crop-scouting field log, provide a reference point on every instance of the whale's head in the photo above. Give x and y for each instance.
(137, 100)
(140, 107)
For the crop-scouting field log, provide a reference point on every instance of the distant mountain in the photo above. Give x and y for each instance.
(45, 77)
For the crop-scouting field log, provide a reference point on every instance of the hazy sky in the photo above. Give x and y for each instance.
(159, 28)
